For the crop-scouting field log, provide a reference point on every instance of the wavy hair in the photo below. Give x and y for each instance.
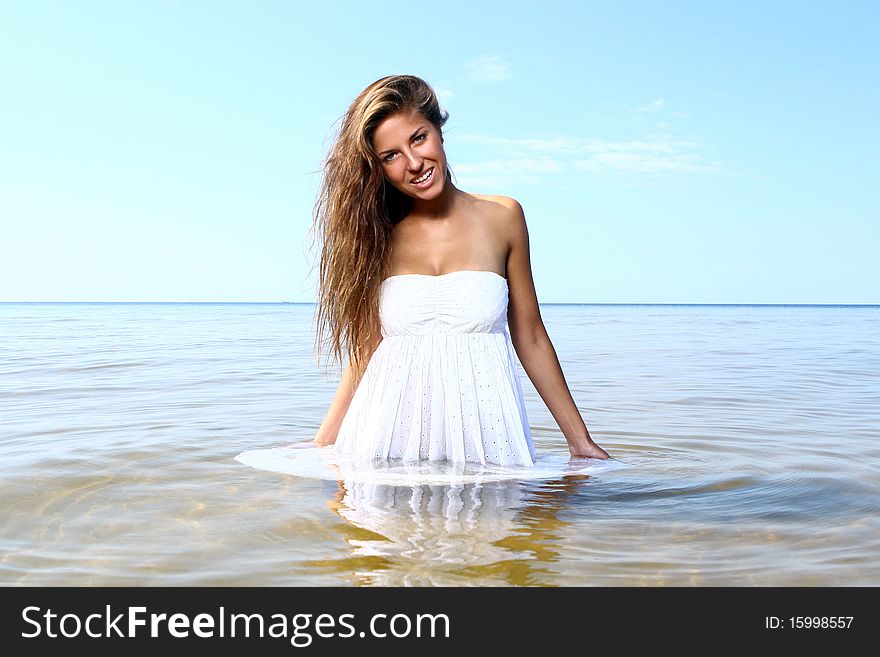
(354, 216)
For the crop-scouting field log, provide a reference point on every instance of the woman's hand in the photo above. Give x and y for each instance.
(586, 448)
(325, 437)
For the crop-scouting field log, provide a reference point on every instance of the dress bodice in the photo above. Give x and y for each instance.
(465, 301)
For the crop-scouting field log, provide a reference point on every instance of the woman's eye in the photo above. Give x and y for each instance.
(388, 157)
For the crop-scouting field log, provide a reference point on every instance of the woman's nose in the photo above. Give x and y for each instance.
(413, 162)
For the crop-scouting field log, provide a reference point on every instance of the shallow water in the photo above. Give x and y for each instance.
(749, 436)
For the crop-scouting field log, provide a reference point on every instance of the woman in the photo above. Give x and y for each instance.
(420, 279)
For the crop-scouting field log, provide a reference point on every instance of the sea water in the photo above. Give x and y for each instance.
(747, 438)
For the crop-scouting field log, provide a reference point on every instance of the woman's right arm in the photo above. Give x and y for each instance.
(330, 426)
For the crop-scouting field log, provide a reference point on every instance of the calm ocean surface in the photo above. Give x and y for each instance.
(751, 436)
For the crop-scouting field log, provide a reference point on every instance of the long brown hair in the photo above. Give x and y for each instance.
(355, 214)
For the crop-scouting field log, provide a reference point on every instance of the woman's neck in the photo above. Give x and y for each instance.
(437, 208)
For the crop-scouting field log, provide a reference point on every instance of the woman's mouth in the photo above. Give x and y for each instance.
(426, 179)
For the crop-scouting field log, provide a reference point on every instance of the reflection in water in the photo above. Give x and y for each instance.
(483, 533)
(418, 523)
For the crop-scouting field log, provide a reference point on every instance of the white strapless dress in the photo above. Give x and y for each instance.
(443, 383)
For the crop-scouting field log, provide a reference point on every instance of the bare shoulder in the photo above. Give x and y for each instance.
(502, 202)
(507, 215)
(523, 313)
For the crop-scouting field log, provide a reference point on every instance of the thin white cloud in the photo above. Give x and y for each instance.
(653, 106)
(532, 158)
(489, 68)
(512, 166)
(645, 162)
(636, 114)
(554, 145)
(502, 173)
(566, 153)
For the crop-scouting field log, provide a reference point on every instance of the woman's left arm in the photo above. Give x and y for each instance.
(532, 344)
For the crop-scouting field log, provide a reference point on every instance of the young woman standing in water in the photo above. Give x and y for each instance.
(430, 290)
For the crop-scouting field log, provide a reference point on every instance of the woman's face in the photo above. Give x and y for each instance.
(409, 146)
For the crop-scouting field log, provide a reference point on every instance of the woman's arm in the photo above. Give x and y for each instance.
(532, 344)
(329, 428)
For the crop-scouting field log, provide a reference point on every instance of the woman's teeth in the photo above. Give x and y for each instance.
(428, 174)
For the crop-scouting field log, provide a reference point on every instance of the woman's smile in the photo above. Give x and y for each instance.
(425, 179)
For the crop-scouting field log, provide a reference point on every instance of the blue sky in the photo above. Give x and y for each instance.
(667, 152)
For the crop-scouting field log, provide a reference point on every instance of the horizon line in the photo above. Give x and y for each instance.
(549, 303)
